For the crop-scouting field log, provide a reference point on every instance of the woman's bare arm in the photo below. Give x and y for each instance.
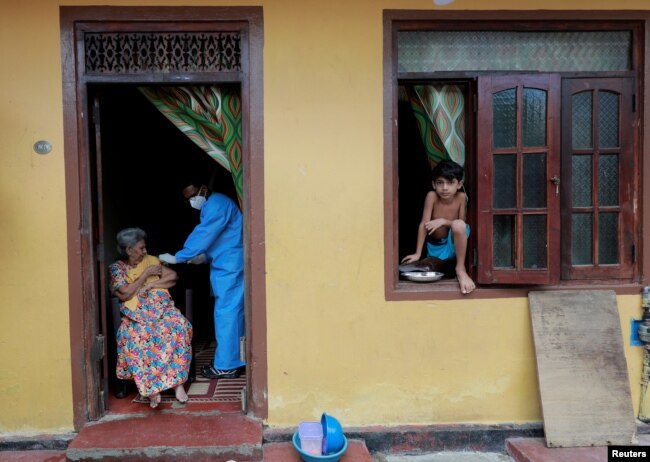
(128, 291)
(167, 279)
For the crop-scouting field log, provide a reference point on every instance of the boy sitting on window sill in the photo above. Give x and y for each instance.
(443, 225)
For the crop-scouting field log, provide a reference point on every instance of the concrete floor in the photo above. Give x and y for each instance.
(445, 457)
(527, 449)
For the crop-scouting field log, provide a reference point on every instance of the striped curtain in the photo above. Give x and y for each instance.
(440, 114)
(211, 117)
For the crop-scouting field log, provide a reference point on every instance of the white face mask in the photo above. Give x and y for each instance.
(197, 202)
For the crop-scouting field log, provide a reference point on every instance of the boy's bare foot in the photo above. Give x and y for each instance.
(154, 400)
(181, 396)
(465, 282)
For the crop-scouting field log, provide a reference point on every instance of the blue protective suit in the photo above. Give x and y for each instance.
(219, 236)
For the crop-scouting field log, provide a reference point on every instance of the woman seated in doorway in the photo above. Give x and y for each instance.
(154, 340)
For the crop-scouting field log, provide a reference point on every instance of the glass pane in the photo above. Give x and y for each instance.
(504, 234)
(608, 238)
(534, 180)
(581, 239)
(505, 170)
(581, 182)
(475, 50)
(534, 117)
(607, 119)
(504, 114)
(608, 180)
(534, 241)
(581, 118)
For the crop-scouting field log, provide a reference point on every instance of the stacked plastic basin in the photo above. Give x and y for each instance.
(320, 441)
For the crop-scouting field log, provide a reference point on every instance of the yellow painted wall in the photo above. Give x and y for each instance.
(334, 343)
(34, 334)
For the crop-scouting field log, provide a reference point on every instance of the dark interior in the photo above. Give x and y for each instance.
(414, 177)
(145, 163)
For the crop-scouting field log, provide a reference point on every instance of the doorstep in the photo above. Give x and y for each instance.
(33, 456)
(170, 436)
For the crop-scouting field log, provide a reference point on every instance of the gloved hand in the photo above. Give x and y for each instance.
(167, 258)
(198, 260)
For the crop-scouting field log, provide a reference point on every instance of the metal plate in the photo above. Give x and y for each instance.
(423, 276)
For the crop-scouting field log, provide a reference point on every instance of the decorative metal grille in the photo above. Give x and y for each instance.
(138, 53)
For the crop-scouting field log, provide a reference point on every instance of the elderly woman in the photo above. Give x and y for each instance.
(154, 339)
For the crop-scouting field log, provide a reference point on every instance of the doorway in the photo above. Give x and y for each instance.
(142, 163)
(95, 62)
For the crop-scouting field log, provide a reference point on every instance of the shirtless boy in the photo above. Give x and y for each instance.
(443, 222)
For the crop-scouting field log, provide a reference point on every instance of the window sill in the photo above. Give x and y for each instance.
(447, 289)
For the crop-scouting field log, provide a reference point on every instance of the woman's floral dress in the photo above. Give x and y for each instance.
(154, 341)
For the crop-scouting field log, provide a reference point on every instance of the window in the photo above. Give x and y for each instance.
(599, 166)
(544, 207)
(548, 137)
(518, 153)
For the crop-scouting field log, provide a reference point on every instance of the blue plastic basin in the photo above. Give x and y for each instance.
(311, 458)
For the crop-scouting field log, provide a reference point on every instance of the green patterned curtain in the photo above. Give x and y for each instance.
(440, 114)
(211, 117)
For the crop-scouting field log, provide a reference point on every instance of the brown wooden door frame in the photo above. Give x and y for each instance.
(97, 230)
(82, 288)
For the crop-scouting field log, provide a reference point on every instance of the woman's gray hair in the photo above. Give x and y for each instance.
(129, 237)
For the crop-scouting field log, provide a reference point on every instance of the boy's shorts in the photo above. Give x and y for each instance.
(443, 249)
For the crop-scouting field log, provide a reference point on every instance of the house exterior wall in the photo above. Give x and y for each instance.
(334, 343)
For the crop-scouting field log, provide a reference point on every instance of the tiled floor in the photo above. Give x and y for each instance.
(127, 406)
